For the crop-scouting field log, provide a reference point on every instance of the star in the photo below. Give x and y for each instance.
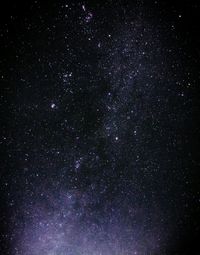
(53, 106)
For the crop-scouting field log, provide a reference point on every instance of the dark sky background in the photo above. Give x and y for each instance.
(99, 127)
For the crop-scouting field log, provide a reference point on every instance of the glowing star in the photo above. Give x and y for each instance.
(53, 106)
(83, 7)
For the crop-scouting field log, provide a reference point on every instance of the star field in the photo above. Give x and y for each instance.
(99, 128)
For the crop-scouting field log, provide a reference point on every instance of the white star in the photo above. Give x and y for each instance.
(83, 7)
(53, 106)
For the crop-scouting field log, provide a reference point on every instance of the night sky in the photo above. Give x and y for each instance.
(99, 127)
